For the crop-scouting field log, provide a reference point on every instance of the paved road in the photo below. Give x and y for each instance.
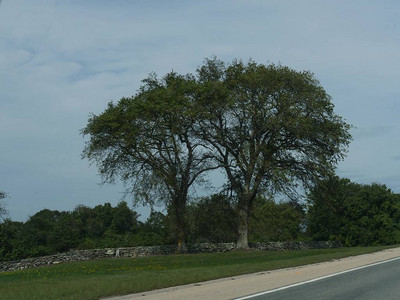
(243, 285)
(380, 281)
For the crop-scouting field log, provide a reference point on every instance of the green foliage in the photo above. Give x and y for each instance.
(49, 231)
(155, 231)
(9, 231)
(147, 141)
(124, 220)
(353, 213)
(212, 219)
(66, 233)
(270, 127)
(272, 222)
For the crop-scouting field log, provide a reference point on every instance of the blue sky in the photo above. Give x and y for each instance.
(61, 60)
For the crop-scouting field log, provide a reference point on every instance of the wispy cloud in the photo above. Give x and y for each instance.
(61, 60)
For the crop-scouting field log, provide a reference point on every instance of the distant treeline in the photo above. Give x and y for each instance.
(209, 220)
(355, 214)
(337, 209)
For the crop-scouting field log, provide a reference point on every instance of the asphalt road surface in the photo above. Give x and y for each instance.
(380, 281)
(377, 276)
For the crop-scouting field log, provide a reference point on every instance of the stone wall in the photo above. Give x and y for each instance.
(276, 246)
(82, 255)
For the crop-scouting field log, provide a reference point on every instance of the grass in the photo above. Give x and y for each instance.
(118, 276)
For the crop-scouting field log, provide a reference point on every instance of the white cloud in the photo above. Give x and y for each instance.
(61, 60)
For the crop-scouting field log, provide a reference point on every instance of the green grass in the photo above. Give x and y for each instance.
(107, 277)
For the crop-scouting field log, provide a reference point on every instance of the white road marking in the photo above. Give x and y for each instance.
(315, 279)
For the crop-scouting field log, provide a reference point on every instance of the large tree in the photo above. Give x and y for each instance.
(271, 128)
(147, 141)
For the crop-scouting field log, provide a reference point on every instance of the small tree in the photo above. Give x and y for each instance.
(147, 141)
(9, 234)
(124, 219)
(270, 128)
(270, 221)
(212, 219)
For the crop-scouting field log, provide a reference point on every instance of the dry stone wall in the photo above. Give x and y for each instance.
(82, 255)
(276, 246)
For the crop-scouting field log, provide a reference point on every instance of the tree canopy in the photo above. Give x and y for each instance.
(353, 213)
(271, 128)
(147, 141)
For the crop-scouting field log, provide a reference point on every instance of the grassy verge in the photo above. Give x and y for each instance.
(107, 277)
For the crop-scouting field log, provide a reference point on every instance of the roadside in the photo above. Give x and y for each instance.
(239, 286)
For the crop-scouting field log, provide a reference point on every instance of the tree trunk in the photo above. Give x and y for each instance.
(242, 242)
(182, 247)
(181, 226)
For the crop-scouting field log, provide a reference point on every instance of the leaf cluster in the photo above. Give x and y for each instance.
(147, 140)
(353, 213)
(271, 127)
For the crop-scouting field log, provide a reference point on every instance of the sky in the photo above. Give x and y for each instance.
(62, 60)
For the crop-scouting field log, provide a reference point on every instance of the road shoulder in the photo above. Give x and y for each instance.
(243, 285)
